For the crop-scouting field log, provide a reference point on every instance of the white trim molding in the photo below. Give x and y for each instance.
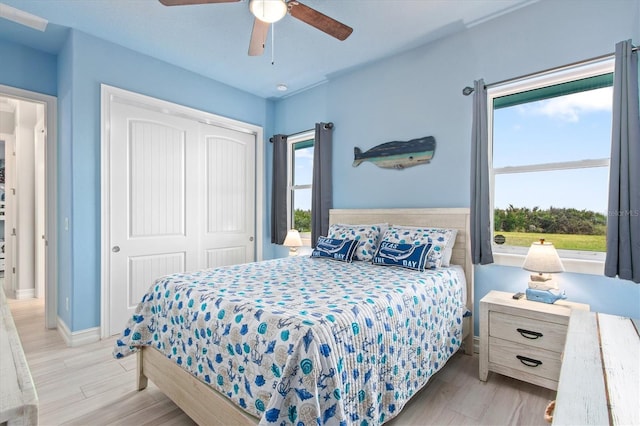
(78, 338)
(25, 293)
(594, 266)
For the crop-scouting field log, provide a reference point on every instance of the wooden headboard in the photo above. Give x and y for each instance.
(452, 218)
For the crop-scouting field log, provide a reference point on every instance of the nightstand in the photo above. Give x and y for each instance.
(523, 339)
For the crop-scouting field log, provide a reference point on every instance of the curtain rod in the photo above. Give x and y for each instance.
(328, 125)
(469, 90)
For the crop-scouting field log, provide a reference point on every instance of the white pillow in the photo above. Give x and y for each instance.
(448, 250)
(368, 237)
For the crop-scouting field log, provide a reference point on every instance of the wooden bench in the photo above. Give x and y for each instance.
(600, 374)
(18, 399)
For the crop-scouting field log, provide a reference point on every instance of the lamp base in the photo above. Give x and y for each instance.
(544, 285)
(293, 251)
(544, 296)
(540, 277)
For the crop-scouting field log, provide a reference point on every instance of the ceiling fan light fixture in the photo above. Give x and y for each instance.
(268, 10)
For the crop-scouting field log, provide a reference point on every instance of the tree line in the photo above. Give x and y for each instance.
(302, 220)
(551, 221)
(521, 219)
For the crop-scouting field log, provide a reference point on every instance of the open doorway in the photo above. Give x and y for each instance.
(27, 197)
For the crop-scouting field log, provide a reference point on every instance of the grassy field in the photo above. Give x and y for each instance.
(560, 241)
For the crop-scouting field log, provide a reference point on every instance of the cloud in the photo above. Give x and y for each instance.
(304, 153)
(570, 107)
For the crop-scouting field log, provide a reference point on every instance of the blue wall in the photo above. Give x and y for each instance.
(65, 175)
(27, 68)
(418, 93)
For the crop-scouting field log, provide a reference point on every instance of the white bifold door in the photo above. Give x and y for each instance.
(182, 198)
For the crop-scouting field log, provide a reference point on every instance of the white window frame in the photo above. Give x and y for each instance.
(573, 260)
(291, 141)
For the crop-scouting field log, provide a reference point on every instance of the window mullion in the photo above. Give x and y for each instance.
(307, 186)
(545, 167)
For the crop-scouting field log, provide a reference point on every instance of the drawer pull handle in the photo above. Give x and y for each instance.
(529, 362)
(527, 334)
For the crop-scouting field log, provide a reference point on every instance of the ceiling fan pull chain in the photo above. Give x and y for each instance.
(273, 44)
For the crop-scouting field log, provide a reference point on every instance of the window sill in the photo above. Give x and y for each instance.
(580, 266)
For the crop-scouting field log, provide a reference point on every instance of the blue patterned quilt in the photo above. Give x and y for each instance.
(305, 341)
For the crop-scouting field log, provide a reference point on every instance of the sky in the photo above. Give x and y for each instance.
(303, 176)
(566, 128)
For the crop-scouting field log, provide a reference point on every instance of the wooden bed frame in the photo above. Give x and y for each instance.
(207, 406)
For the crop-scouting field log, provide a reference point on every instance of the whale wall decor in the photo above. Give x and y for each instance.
(398, 154)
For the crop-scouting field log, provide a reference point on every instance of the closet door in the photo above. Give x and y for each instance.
(229, 195)
(153, 203)
(181, 199)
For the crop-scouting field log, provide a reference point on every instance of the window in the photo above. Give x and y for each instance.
(550, 145)
(300, 177)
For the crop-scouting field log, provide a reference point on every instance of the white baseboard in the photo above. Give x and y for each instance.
(25, 293)
(78, 338)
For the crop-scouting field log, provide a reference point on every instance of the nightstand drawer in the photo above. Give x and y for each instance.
(538, 362)
(527, 331)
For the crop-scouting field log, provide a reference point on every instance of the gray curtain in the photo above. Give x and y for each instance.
(322, 191)
(623, 225)
(480, 205)
(279, 190)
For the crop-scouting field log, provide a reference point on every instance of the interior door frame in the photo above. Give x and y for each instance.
(51, 205)
(110, 94)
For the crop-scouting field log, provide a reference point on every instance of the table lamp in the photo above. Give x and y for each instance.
(543, 258)
(292, 241)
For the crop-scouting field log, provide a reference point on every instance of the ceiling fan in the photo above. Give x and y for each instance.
(267, 12)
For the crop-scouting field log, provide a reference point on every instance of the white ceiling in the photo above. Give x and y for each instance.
(212, 39)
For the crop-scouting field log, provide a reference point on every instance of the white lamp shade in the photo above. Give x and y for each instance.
(268, 10)
(543, 258)
(292, 239)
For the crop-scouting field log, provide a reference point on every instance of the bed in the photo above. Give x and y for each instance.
(328, 349)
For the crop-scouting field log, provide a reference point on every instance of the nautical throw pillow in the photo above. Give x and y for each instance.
(368, 237)
(439, 238)
(332, 248)
(409, 256)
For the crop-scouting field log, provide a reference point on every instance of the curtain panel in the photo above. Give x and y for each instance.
(322, 183)
(480, 203)
(279, 189)
(623, 224)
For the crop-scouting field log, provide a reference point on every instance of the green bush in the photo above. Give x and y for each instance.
(551, 221)
(302, 220)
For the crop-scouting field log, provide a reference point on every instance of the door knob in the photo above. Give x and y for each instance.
(115, 249)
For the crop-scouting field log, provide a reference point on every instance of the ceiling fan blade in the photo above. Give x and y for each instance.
(319, 20)
(187, 2)
(258, 37)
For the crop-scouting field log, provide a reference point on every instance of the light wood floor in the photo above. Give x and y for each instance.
(87, 386)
